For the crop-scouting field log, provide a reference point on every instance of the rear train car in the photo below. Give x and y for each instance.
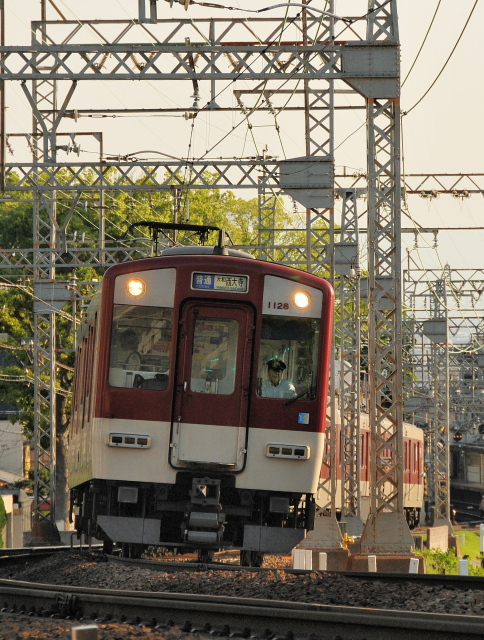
(174, 441)
(413, 471)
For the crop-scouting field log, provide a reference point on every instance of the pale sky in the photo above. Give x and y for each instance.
(442, 134)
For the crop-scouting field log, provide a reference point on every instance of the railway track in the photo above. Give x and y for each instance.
(466, 511)
(234, 617)
(174, 565)
(463, 583)
(225, 616)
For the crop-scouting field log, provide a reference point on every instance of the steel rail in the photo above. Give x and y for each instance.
(196, 612)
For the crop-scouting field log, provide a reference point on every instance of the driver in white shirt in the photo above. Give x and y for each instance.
(275, 386)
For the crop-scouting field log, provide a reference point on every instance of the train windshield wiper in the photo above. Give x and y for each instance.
(304, 393)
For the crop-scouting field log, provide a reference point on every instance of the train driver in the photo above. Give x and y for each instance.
(275, 386)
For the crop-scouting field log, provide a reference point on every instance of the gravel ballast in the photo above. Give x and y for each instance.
(88, 570)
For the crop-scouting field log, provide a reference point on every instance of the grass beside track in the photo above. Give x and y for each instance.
(440, 562)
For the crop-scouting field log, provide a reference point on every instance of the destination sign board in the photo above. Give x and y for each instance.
(220, 282)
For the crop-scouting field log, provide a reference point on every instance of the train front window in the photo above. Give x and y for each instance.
(140, 347)
(214, 355)
(289, 345)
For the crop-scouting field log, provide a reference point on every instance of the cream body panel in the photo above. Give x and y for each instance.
(281, 290)
(132, 464)
(281, 474)
(151, 465)
(220, 444)
(80, 458)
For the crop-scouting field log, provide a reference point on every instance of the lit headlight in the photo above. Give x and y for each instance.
(302, 300)
(136, 287)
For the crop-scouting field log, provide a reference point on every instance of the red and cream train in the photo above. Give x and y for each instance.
(173, 442)
(413, 471)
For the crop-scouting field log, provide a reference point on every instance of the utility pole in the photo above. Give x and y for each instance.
(386, 530)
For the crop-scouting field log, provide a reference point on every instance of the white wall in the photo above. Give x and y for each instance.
(10, 447)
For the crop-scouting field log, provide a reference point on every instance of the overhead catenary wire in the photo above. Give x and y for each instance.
(445, 63)
(460, 310)
(423, 43)
(304, 7)
(287, 6)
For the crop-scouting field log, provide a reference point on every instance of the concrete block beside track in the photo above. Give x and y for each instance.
(386, 563)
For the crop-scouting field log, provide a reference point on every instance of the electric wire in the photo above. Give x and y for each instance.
(430, 286)
(285, 5)
(423, 43)
(445, 64)
(293, 72)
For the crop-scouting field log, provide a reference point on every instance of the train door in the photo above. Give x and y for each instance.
(209, 423)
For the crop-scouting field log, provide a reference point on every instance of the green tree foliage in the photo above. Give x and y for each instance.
(16, 322)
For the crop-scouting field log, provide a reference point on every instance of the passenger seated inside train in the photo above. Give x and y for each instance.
(275, 386)
(158, 381)
(140, 347)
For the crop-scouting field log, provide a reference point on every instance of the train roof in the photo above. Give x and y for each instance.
(205, 250)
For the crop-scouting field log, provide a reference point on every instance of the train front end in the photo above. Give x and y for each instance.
(186, 437)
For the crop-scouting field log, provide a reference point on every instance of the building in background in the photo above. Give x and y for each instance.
(18, 506)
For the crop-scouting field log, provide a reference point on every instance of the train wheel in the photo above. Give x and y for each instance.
(133, 551)
(257, 559)
(108, 547)
(251, 558)
(205, 556)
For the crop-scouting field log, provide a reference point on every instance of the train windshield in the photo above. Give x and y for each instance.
(140, 347)
(214, 355)
(288, 357)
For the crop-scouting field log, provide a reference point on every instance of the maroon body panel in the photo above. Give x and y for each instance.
(145, 404)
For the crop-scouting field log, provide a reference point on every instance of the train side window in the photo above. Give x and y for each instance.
(416, 457)
(364, 449)
(214, 355)
(295, 341)
(140, 347)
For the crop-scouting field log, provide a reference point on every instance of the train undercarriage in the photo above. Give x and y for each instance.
(201, 514)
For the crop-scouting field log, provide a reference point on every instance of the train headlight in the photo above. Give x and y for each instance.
(302, 300)
(136, 287)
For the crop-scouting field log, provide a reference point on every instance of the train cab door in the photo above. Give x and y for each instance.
(209, 424)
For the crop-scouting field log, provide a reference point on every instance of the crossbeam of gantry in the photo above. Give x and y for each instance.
(137, 175)
(425, 185)
(462, 283)
(148, 176)
(201, 50)
(87, 62)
